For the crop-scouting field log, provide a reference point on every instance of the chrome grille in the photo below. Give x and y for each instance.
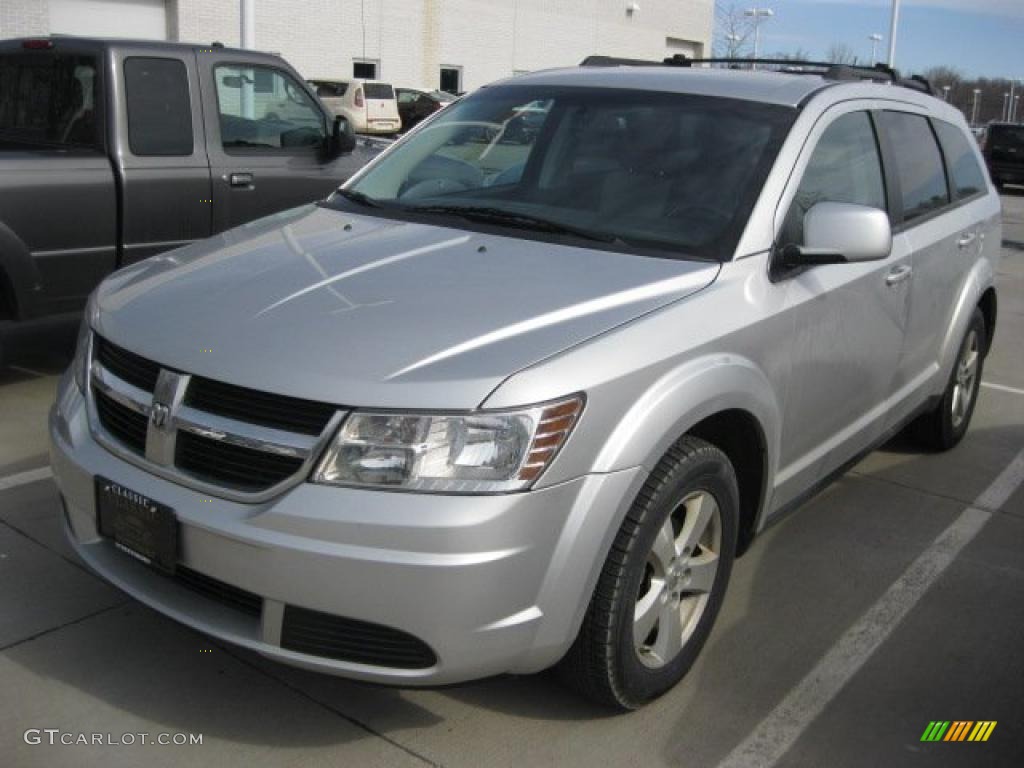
(215, 437)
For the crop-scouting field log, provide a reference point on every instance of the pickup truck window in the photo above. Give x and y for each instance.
(48, 98)
(278, 114)
(159, 109)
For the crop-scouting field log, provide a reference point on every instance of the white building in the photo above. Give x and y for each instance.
(465, 43)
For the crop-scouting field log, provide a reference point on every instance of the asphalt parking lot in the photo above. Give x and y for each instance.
(893, 599)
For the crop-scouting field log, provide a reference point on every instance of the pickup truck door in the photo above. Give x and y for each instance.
(265, 134)
(849, 319)
(162, 163)
(58, 203)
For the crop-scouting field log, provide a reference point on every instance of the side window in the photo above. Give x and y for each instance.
(406, 97)
(968, 178)
(845, 167)
(49, 98)
(262, 108)
(159, 110)
(918, 163)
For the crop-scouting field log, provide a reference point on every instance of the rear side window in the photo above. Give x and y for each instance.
(918, 163)
(330, 90)
(378, 91)
(49, 98)
(968, 178)
(159, 109)
(1006, 137)
(845, 168)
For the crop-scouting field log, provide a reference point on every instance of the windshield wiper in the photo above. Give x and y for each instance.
(359, 197)
(488, 215)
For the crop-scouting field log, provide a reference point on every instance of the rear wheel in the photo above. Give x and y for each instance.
(944, 427)
(663, 582)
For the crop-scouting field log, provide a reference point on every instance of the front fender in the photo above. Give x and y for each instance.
(682, 398)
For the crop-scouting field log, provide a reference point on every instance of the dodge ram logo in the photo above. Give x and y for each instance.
(159, 415)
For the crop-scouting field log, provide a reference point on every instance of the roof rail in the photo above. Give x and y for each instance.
(879, 73)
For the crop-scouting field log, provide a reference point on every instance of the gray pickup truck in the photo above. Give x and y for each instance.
(115, 150)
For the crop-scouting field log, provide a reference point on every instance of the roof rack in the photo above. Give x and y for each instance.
(879, 73)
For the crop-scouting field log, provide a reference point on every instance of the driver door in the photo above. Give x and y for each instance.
(265, 134)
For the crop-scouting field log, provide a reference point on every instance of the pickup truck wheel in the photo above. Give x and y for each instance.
(944, 427)
(662, 584)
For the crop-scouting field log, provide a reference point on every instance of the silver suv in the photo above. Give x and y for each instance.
(519, 393)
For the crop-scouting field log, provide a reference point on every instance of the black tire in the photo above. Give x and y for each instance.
(940, 429)
(605, 663)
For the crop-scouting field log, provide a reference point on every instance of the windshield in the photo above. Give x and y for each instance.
(668, 174)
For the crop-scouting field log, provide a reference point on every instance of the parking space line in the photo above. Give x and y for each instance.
(774, 735)
(1002, 388)
(24, 478)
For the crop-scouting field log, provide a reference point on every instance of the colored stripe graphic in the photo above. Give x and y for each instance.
(958, 730)
(982, 730)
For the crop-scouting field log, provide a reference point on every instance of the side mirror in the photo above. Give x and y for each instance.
(837, 233)
(342, 140)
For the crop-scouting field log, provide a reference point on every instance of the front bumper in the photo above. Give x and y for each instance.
(491, 584)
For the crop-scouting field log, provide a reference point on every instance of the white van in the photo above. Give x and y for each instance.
(369, 105)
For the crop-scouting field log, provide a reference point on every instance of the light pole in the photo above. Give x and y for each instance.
(1013, 108)
(974, 108)
(875, 40)
(734, 46)
(945, 93)
(893, 23)
(1003, 115)
(758, 14)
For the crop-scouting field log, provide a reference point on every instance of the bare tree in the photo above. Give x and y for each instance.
(733, 30)
(840, 53)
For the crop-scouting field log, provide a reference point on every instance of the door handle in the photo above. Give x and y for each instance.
(966, 239)
(897, 275)
(241, 179)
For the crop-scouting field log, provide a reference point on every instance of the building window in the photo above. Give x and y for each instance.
(364, 69)
(451, 79)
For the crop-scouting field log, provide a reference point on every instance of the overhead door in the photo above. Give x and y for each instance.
(139, 19)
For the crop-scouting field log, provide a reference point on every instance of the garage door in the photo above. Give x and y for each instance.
(674, 45)
(145, 19)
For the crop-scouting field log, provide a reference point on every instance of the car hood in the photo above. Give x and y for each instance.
(367, 311)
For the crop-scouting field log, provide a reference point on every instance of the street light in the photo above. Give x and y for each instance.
(1003, 115)
(893, 23)
(1013, 109)
(734, 45)
(758, 14)
(875, 40)
(945, 93)
(974, 107)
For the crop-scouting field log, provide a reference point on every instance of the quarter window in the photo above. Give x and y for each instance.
(264, 109)
(159, 110)
(845, 168)
(968, 178)
(918, 163)
(49, 99)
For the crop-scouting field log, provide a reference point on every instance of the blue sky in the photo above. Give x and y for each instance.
(978, 37)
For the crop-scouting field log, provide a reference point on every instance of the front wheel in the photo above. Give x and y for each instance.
(663, 581)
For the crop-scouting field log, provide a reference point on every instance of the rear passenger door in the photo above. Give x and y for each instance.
(941, 231)
(265, 134)
(162, 163)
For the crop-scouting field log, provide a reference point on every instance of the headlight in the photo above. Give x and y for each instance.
(83, 348)
(483, 452)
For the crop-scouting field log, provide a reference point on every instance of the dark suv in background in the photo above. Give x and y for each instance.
(1003, 147)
